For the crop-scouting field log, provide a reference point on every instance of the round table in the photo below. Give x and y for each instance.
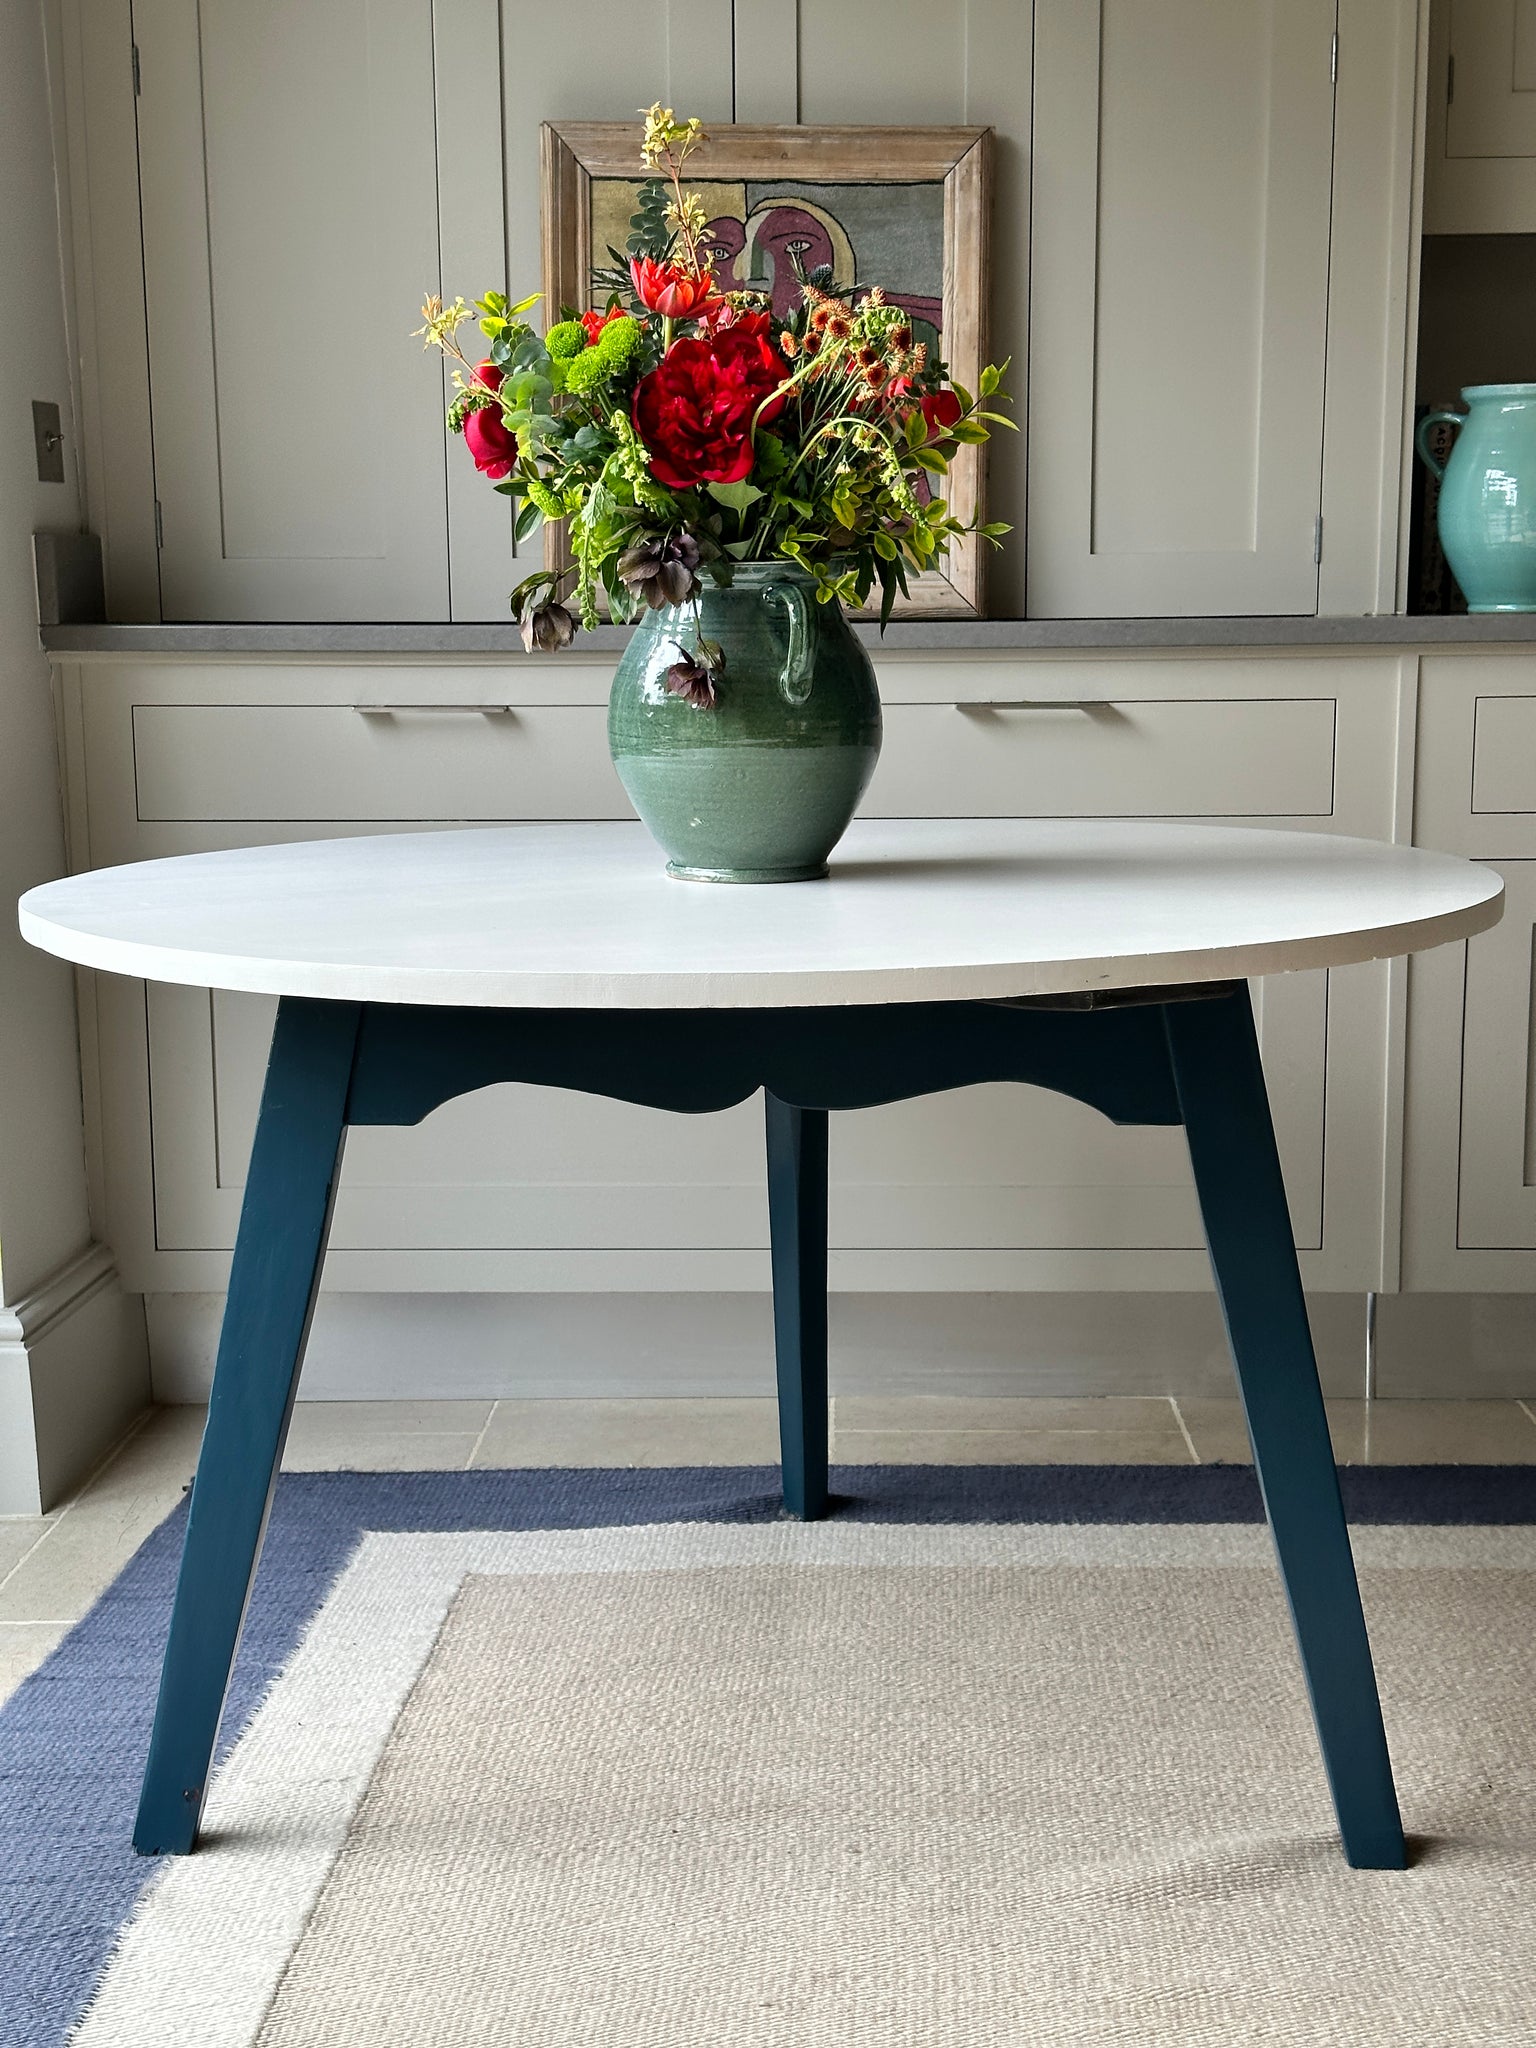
(1107, 961)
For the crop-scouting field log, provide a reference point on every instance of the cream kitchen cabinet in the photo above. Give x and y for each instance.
(1179, 327)
(1480, 131)
(307, 173)
(987, 1188)
(1470, 1198)
(1198, 264)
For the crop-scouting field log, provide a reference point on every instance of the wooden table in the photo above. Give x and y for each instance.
(1105, 961)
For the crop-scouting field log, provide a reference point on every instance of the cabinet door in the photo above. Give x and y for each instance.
(956, 62)
(1492, 93)
(1480, 131)
(1469, 1204)
(287, 163)
(1179, 302)
(681, 49)
(1496, 1203)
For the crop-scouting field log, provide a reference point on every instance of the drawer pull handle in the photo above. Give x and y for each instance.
(1085, 707)
(393, 710)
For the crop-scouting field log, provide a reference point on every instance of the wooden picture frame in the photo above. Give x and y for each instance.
(578, 155)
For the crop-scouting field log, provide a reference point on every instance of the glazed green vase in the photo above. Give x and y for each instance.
(760, 786)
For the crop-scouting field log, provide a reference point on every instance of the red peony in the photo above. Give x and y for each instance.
(941, 409)
(594, 323)
(673, 293)
(695, 410)
(489, 442)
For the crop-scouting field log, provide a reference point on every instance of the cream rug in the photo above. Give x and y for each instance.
(868, 1788)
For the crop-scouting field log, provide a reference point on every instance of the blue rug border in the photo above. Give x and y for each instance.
(69, 1880)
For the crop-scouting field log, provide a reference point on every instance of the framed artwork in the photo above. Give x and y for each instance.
(906, 208)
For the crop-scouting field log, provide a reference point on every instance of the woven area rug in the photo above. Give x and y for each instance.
(992, 1756)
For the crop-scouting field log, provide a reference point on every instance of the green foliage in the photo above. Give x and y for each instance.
(649, 233)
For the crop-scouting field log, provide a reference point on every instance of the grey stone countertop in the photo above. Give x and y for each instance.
(907, 636)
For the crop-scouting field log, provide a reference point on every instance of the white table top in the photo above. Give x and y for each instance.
(583, 916)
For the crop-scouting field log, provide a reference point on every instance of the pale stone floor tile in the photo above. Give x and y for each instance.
(903, 1412)
(729, 1430)
(1384, 1432)
(340, 1421)
(382, 1450)
(23, 1646)
(83, 1546)
(17, 1535)
(1010, 1447)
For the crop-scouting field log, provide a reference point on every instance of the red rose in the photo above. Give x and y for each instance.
(695, 410)
(486, 373)
(673, 293)
(941, 409)
(489, 442)
(594, 323)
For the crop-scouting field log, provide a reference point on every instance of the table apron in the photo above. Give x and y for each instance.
(412, 1058)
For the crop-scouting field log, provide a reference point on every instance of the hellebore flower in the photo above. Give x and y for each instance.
(660, 571)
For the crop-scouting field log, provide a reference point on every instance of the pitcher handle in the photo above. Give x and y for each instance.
(796, 676)
(1421, 436)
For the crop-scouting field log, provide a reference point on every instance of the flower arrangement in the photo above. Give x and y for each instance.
(683, 429)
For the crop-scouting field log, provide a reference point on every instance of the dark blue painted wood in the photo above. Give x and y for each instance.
(1215, 1058)
(412, 1059)
(797, 1217)
(276, 1272)
(1163, 1062)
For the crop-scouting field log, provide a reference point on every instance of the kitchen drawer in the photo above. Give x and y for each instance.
(342, 764)
(1504, 755)
(1137, 757)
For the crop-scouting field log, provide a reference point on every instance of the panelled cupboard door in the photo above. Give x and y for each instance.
(1496, 1169)
(288, 169)
(956, 62)
(596, 60)
(1480, 130)
(1179, 301)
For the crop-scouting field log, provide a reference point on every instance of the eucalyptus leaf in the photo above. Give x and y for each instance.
(739, 497)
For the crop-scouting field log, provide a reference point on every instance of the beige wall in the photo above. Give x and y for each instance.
(68, 1378)
(42, 1176)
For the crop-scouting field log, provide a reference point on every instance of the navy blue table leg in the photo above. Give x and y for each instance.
(272, 1287)
(797, 1217)
(1221, 1089)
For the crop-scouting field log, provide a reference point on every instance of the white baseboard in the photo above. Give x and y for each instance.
(74, 1372)
(486, 1346)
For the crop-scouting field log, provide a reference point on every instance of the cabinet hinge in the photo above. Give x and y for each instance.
(159, 526)
(1450, 78)
(1333, 65)
(1317, 538)
(138, 85)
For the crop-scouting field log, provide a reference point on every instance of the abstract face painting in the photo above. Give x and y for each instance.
(904, 208)
(767, 235)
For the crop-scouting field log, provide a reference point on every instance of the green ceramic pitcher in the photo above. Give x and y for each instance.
(761, 785)
(1487, 514)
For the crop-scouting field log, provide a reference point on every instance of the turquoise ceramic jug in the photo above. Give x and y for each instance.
(1488, 496)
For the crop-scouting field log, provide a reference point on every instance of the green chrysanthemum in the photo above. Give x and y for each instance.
(566, 340)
